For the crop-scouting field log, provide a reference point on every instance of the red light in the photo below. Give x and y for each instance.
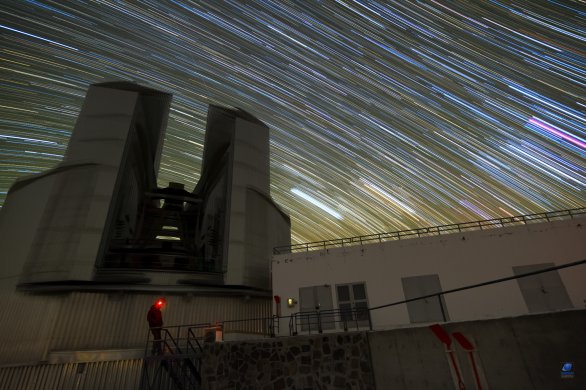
(160, 302)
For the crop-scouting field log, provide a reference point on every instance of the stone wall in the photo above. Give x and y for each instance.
(326, 361)
(525, 352)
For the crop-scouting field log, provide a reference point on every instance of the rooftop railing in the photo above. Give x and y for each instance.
(431, 231)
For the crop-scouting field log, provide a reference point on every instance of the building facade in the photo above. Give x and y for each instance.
(352, 277)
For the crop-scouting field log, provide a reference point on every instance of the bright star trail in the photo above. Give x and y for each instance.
(384, 115)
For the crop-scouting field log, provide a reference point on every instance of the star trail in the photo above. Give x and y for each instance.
(384, 115)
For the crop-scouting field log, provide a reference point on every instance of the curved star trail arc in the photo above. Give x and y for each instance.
(383, 115)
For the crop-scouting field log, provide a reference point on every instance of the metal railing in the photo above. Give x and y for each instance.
(333, 319)
(361, 319)
(191, 337)
(318, 321)
(175, 362)
(430, 231)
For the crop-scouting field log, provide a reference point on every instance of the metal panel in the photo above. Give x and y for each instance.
(122, 374)
(316, 296)
(543, 292)
(428, 309)
(25, 326)
(120, 320)
(32, 326)
(315, 299)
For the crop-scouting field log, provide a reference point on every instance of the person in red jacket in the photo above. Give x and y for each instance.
(155, 319)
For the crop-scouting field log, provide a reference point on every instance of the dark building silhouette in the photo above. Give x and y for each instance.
(99, 217)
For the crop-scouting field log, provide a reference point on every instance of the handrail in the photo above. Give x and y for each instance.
(321, 317)
(321, 320)
(426, 231)
(315, 320)
(320, 314)
(177, 356)
(174, 347)
(191, 336)
(267, 326)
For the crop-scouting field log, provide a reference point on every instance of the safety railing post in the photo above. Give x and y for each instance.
(274, 320)
(292, 325)
(439, 298)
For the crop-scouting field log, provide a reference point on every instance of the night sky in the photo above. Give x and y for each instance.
(384, 115)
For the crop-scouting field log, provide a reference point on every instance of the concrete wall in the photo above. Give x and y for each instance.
(459, 260)
(524, 352)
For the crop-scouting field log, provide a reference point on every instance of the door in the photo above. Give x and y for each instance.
(432, 309)
(542, 292)
(316, 304)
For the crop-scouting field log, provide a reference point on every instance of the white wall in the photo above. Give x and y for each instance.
(459, 259)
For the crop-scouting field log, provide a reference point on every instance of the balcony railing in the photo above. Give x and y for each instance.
(431, 231)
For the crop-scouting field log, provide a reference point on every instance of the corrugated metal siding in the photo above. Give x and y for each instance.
(122, 374)
(96, 321)
(26, 325)
(34, 325)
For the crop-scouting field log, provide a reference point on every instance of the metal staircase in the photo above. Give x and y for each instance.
(175, 361)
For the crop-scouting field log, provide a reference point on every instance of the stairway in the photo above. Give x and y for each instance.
(177, 367)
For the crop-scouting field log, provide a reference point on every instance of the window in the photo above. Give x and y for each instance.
(353, 304)
(432, 309)
(542, 292)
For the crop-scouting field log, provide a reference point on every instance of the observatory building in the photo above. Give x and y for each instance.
(86, 247)
(98, 218)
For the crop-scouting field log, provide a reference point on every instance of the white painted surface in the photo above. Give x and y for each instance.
(459, 259)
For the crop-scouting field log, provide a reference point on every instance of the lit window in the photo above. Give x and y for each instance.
(168, 238)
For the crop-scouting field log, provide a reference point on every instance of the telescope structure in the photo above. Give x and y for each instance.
(99, 219)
